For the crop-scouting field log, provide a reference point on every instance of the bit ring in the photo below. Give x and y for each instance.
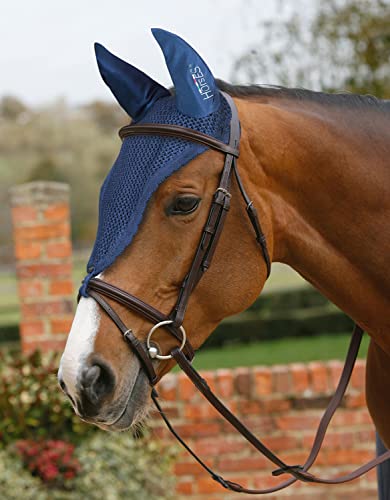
(152, 350)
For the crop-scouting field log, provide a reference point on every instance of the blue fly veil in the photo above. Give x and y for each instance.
(144, 162)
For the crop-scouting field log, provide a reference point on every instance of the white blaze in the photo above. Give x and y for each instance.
(80, 343)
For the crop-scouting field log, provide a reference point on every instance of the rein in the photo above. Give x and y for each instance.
(184, 354)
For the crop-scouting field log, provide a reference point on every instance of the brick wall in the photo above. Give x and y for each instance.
(282, 405)
(41, 231)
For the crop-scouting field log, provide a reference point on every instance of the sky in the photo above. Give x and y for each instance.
(46, 48)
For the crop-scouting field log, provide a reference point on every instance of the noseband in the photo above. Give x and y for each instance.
(183, 354)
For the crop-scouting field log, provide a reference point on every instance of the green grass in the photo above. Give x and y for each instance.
(270, 352)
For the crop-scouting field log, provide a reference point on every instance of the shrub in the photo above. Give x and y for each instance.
(31, 403)
(119, 466)
(113, 466)
(16, 482)
(52, 461)
(34, 412)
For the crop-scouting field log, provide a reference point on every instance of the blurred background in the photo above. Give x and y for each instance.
(59, 122)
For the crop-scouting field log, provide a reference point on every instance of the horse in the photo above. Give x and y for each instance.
(315, 166)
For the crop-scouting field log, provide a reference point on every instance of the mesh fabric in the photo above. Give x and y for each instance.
(143, 163)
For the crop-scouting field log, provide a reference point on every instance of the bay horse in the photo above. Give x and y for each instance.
(317, 168)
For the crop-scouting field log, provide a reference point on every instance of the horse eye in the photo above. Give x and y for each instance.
(184, 205)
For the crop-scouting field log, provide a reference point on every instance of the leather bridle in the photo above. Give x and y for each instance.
(183, 355)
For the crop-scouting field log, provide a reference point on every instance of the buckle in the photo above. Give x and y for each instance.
(224, 191)
(222, 198)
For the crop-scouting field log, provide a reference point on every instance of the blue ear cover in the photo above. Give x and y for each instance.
(134, 91)
(197, 94)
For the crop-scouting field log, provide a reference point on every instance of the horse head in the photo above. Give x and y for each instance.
(154, 205)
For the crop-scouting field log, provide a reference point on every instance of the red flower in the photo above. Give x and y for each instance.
(52, 461)
(49, 473)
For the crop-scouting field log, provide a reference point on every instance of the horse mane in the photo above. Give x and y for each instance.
(341, 99)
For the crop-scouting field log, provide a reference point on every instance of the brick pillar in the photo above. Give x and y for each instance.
(41, 228)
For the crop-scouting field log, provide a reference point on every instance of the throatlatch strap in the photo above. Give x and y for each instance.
(254, 218)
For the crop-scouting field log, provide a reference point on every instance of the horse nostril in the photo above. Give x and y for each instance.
(96, 382)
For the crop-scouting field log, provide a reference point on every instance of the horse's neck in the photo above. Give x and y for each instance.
(328, 188)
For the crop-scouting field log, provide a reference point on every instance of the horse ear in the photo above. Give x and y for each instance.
(197, 94)
(134, 91)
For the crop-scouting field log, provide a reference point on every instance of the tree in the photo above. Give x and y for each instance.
(11, 108)
(342, 45)
(46, 170)
(58, 142)
(109, 117)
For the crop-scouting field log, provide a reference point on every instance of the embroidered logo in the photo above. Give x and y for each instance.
(200, 82)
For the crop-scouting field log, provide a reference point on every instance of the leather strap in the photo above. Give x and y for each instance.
(215, 222)
(99, 287)
(135, 344)
(254, 218)
(168, 130)
(299, 472)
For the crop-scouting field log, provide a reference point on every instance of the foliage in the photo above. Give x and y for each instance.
(64, 458)
(112, 467)
(60, 143)
(344, 44)
(46, 170)
(52, 461)
(108, 116)
(16, 482)
(12, 108)
(31, 403)
(118, 466)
